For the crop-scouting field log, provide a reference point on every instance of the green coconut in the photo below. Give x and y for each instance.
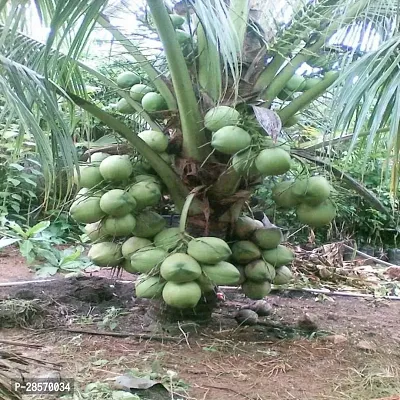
(141, 165)
(119, 226)
(259, 271)
(168, 239)
(145, 177)
(280, 143)
(138, 91)
(313, 190)
(105, 254)
(86, 209)
(242, 278)
(97, 158)
(182, 36)
(311, 82)
(95, 231)
(155, 139)
(133, 244)
(209, 250)
(256, 290)
(90, 176)
(180, 267)
(316, 216)
(243, 163)
(230, 139)
(221, 116)
(245, 251)
(283, 275)
(147, 258)
(181, 295)
(279, 256)
(273, 162)
(149, 287)
(296, 83)
(205, 284)
(166, 157)
(117, 202)
(245, 226)
(152, 102)
(283, 195)
(177, 20)
(127, 79)
(222, 273)
(116, 168)
(291, 121)
(127, 266)
(146, 194)
(148, 224)
(124, 107)
(267, 237)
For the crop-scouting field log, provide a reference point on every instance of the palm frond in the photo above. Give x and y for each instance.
(370, 99)
(220, 32)
(31, 98)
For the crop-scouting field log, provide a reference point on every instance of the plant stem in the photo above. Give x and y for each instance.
(191, 120)
(268, 75)
(306, 98)
(176, 188)
(155, 76)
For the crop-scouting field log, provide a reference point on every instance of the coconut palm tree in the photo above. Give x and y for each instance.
(238, 53)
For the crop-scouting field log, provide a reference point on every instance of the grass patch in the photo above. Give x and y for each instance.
(16, 313)
(372, 382)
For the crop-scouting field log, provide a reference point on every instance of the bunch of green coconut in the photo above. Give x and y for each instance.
(144, 94)
(260, 257)
(310, 196)
(252, 154)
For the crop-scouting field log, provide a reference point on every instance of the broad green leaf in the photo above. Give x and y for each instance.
(5, 242)
(26, 247)
(14, 181)
(39, 227)
(46, 270)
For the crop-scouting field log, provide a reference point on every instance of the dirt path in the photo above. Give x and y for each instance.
(222, 361)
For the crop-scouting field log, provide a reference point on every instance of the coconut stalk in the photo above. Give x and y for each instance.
(301, 102)
(209, 65)
(268, 74)
(155, 76)
(191, 120)
(175, 186)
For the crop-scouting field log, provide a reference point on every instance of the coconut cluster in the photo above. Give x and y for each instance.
(260, 257)
(311, 198)
(149, 98)
(273, 158)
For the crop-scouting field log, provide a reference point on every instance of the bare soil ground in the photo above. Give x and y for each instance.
(353, 352)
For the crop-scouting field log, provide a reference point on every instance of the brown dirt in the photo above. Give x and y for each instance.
(222, 361)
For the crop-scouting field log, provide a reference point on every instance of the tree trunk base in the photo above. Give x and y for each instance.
(166, 317)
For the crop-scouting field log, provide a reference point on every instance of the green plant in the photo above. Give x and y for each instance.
(68, 260)
(110, 318)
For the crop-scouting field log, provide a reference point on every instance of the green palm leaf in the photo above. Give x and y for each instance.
(370, 99)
